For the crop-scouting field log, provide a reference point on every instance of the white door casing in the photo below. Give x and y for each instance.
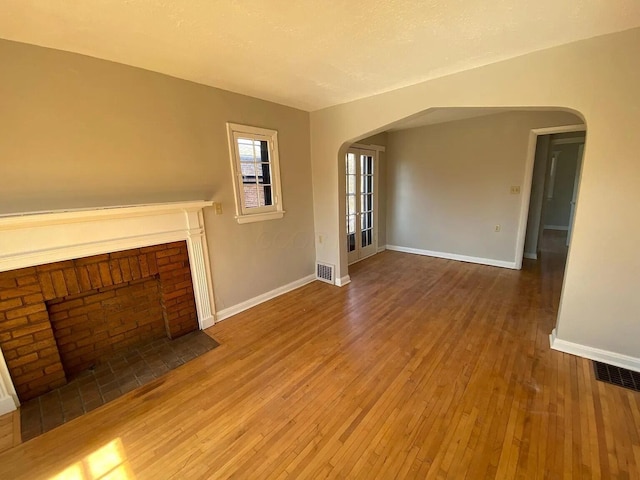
(574, 196)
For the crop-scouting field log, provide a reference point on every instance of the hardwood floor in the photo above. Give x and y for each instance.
(9, 430)
(420, 368)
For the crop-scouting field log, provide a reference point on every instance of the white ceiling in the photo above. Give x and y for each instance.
(310, 54)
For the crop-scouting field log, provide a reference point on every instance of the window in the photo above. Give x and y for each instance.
(256, 173)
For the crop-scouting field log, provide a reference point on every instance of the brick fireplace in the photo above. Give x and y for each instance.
(61, 318)
(76, 286)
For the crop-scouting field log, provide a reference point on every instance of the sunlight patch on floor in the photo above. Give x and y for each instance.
(106, 463)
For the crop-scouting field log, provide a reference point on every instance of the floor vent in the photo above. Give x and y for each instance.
(324, 272)
(617, 376)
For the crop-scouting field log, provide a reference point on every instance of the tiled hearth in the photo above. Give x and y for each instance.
(109, 380)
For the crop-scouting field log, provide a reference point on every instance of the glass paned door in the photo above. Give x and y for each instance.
(360, 204)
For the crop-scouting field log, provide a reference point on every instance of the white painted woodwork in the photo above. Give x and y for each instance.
(36, 238)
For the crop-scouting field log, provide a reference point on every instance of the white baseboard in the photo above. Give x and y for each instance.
(530, 256)
(556, 227)
(208, 322)
(454, 256)
(252, 302)
(605, 356)
(342, 281)
(382, 248)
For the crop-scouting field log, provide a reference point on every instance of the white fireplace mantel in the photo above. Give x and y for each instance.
(36, 238)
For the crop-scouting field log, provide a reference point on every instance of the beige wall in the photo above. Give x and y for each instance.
(81, 132)
(449, 184)
(596, 77)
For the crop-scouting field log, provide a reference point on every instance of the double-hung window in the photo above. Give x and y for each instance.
(256, 173)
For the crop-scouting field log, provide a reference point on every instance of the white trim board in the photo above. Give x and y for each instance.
(592, 353)
(454, 256)
(531, 256)
(342, 281)
(381, 248)
(35, 238)
(252, 302)
(527, 180)
(557, 227)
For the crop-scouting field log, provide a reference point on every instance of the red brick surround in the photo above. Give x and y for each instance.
(92, 326)
(26, 335)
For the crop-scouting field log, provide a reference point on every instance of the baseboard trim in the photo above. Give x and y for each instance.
(592, 353)
(530, 256)
(556, 227)
(342, 281)
(208, 322)
(252, 302)
(454, 256)
(382, 248)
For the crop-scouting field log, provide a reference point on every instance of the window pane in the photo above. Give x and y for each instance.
(351, 164)
(250, 195)
(363, 184)
(265, 196)
(351, 184)
(248, 171)
(264, 173)
(351, 224)
(246, 149)
(351, 204)
(351, 242)
(367, 238)
(368, 202)
(258, 148)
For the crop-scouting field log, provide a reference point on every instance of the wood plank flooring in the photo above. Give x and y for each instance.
(9, 430)
(420, 368)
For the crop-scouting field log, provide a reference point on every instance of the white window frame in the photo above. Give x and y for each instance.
(255, 214)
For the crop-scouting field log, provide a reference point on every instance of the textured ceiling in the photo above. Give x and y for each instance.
(310, 54)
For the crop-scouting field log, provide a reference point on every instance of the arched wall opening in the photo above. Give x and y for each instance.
(457, 182)
(597, 316)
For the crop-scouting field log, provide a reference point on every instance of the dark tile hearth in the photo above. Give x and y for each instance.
(109, 380)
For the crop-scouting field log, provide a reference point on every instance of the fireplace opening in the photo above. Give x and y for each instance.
(91, 327)
(61, 318)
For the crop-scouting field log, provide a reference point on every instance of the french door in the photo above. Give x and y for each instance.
(361, 215)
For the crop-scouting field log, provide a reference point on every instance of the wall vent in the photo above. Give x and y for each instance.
(617, 376)
(324, 272)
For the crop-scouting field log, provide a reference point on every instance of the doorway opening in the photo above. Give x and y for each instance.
(554, 191)
(361, 192)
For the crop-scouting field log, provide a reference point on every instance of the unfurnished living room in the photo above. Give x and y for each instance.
(359, 240)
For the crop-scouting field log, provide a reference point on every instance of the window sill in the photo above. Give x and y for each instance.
(259, 217)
